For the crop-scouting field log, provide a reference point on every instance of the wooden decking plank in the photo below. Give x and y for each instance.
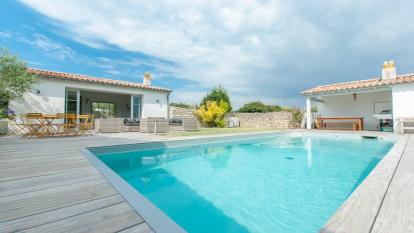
(397, 211)
(10, 174)
(62, 213)
(56, 203)
(38, 162)
(40, 180)
(109, 219)
(44, 194)
(51, 184)
(28, 164)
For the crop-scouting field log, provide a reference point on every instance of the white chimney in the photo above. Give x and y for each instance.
(147, 79)
(388, 70)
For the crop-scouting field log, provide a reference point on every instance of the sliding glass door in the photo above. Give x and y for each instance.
(72, 102)
(136, 103)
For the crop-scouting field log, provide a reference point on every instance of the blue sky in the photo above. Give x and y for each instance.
(258, 50)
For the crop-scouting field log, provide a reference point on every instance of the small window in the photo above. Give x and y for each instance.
(103, 110)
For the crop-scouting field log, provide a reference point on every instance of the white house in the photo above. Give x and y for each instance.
(379, 100)
(59, 92)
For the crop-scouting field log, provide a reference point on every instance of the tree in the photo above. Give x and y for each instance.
(212, 113)
(14, 78)
(258, 106)
(217, 94)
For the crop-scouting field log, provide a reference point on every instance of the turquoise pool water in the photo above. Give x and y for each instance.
(281, 183)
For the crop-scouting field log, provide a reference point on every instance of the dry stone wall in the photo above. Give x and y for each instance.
(279, 120)
(177, 112)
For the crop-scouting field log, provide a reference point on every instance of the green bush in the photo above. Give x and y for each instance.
(258, 106)
(217, 94)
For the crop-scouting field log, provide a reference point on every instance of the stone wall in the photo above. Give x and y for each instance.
(279, 120)
(177, 112)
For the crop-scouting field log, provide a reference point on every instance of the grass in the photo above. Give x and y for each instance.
(213, 131)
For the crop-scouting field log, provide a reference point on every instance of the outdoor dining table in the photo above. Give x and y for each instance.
(49, 122)
(41, 125)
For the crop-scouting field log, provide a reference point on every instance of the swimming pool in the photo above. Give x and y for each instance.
(268, 183)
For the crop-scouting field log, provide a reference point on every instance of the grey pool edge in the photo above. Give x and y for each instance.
(349, 217)
(152, 215)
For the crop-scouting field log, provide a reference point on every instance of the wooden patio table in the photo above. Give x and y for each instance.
(358, 122)
(49, 123)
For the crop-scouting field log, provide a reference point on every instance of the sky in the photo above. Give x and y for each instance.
(256, 49)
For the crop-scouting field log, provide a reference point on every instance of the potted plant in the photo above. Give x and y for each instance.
(4, 122)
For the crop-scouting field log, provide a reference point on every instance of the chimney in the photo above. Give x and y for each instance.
(388, 70)
(147, 79)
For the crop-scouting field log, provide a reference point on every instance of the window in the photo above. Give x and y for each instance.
(136, 106)
(71, 101)
(104, 110)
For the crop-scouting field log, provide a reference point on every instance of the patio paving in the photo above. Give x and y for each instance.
(47, 185)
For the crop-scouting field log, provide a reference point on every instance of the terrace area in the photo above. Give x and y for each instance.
(54, 187)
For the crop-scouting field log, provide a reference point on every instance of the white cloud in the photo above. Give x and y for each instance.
(267, 50)
(4, 34)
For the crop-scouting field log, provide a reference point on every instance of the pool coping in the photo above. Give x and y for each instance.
(152, 215)
(341, 221)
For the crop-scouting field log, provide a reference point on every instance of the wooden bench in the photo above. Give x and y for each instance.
(341, 123)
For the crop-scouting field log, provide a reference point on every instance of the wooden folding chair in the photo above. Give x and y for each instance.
(85, 124)
(68, 126)
(17, 127)
(33, 123)
(59, 125)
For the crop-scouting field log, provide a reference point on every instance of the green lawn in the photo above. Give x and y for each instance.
(212, 131)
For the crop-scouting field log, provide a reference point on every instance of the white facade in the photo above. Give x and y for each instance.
(403, 101)
(49, 97)
(366, 103)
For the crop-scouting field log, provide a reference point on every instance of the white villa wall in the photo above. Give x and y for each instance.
(346, 106)
(51, 98)
(403, 101)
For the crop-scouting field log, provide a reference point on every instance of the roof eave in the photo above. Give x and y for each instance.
(108, 84)
(347, 91)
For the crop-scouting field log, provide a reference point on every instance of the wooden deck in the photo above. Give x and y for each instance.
(47, 185)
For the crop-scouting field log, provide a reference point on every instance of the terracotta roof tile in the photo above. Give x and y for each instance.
(362, 84)
(86, 78)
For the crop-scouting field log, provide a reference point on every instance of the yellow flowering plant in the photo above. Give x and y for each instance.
(212, 113)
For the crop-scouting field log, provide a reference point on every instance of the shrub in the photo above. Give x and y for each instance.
(258, 106)
(212, 114)
(297, 116)
(218, 94)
